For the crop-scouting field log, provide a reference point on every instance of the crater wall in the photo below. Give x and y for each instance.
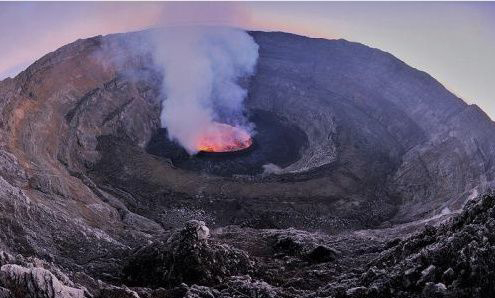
(385, 144)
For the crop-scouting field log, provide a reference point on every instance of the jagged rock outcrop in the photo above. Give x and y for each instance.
(302, 245)
(35, 278)
(187, 256)
(36, 283)
(455, 259)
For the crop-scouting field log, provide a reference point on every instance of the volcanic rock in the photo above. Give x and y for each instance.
(186, 256)
(303, 245)
(462, 249)
(381, 175)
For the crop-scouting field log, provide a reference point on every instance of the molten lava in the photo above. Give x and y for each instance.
(221, 137)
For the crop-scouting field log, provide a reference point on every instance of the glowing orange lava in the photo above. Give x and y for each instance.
(221, 137)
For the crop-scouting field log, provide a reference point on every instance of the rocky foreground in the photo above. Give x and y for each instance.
(453, 259)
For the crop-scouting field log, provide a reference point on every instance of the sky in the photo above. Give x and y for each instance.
(452, 41)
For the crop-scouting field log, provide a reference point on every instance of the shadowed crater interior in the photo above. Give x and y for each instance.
(275, 142)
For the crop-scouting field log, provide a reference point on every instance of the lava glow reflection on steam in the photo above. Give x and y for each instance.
(221, 137)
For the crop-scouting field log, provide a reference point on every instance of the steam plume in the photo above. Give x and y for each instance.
(202, 67)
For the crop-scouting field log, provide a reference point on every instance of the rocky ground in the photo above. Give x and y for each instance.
(452, 259)
(372, 204)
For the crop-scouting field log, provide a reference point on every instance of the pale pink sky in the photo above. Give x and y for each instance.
(453, 41)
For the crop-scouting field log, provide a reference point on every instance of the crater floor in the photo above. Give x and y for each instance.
(275, 142)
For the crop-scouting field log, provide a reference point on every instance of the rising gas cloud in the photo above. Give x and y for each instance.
(202, 67)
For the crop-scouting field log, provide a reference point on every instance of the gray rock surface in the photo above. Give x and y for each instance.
(35, 282)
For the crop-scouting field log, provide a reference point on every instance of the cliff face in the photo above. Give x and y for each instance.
(381, 118)
(383, 144)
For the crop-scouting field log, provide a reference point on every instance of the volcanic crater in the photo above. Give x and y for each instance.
(274, 142)
(357, 164)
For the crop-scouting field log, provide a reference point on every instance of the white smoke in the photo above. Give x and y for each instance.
(271, 168)
(202, 67)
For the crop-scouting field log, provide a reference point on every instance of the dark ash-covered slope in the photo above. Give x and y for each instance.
(379, 149)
